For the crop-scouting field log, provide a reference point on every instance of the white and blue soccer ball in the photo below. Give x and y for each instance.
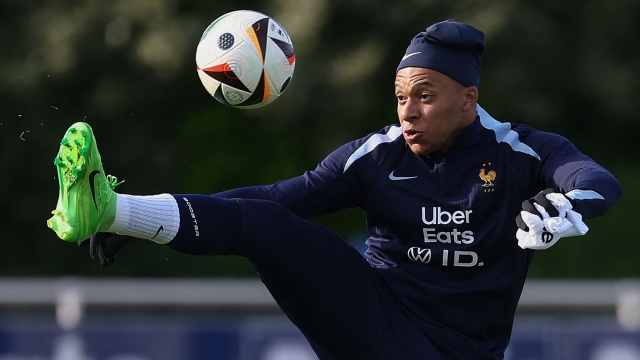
(245, 59)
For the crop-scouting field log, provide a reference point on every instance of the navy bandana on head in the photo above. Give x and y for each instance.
(449, 47)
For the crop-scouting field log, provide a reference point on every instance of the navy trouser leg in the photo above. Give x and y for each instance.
(325, 287)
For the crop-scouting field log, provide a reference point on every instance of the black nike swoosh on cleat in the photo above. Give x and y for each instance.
(93, 189)
(159, 229)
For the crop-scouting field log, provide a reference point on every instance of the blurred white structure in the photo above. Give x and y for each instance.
(251, 293)
(628, 310)
(616, 350)
(71, 295)
(69, 308)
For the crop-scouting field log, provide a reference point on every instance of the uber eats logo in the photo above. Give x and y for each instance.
(442, 217)
(440, 232)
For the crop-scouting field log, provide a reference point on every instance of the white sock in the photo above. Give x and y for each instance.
(155, 217)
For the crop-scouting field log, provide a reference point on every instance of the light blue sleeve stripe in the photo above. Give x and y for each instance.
(583, 195)
(371, 143)
(504, 133)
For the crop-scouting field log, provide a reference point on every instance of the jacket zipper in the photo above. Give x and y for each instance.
(444, 177)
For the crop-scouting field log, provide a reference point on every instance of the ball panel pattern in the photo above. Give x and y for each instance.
(224, 74)
(259, 94)
(287, 50)
(258, 34)
(225, 41)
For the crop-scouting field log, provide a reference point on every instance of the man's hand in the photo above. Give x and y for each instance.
(104, 246)
(546, 218)
(541, 200)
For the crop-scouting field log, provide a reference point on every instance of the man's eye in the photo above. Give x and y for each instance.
(401, 97)
(425, 96)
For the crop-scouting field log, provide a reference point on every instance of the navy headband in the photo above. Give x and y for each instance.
(449, 47)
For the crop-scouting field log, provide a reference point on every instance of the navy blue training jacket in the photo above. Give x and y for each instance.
(442, 229)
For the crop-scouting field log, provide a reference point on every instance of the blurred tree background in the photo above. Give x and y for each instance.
(127, 67)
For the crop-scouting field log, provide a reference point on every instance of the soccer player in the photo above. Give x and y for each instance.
(443, 271)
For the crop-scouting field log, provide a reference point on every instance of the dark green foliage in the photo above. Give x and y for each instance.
(127, 68)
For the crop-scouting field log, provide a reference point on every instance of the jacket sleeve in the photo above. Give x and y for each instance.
(338, 182)
(593, 188)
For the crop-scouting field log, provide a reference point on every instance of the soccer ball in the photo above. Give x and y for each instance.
(245, 59)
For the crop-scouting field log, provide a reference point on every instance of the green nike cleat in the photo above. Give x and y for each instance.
(86, 202)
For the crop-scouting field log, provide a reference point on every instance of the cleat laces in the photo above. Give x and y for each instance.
(113, 181)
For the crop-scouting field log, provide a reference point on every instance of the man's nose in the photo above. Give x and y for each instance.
(410, 110)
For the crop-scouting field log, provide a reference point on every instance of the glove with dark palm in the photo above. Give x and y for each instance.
(546, 218)
(104, 246)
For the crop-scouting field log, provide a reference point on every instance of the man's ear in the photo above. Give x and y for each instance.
(470, 98)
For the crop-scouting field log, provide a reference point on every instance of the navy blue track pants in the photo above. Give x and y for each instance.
(323, 285)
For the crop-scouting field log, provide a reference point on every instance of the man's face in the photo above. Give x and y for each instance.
(432, 108)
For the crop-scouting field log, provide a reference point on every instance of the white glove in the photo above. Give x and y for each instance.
(538, 229)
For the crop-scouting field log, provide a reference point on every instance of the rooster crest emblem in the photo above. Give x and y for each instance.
(488, 178)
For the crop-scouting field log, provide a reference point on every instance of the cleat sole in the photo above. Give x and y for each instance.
(70, 164)
(59, 224)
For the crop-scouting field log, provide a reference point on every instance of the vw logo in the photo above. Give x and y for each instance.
(419, 255)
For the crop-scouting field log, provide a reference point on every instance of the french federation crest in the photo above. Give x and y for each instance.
(487, 177)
